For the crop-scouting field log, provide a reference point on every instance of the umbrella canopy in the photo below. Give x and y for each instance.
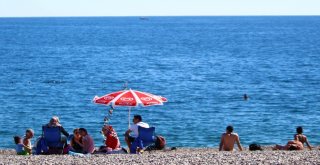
(130, 98)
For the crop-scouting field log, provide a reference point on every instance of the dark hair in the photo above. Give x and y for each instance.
(299, 130)
(83, 129)
(293, 148)
(76, 130)
(138, 117)
(255, 147)
(229, 128)
(17, 139)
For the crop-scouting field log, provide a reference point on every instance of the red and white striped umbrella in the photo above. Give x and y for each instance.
(130, 98)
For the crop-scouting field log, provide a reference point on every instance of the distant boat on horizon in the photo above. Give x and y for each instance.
(144, 18)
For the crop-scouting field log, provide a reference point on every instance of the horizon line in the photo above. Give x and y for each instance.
(262, 15)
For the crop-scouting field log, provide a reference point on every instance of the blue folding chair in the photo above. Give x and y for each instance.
(145, 138)
(52, 137)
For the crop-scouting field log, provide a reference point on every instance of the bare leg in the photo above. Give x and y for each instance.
(278, 147)
(128, 142)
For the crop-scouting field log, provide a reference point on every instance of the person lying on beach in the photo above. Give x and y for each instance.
(20, 147)
(27, 140)
(302, 138)
(228, 139)
(112, 141)
(291, 145)
(137, 122)
(87, 141)
(76, 142)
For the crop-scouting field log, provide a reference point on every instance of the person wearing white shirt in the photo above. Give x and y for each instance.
(133, 132)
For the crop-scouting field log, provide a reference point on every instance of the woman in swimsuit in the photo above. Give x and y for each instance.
(301, 137)
(76, 142)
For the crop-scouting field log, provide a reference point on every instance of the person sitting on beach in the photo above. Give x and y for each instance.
(291, 145)
(137, 122)
(20, 147)
(87, 141)
(55, 122)
(76, 141)
(302, 138)
(112, 141)
(228, 139)
(27, 140)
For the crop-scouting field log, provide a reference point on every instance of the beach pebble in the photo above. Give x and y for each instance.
(181, 156)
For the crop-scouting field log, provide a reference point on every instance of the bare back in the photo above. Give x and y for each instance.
(228, 141)
(302, 138)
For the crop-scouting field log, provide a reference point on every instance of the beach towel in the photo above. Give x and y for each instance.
(78, 154)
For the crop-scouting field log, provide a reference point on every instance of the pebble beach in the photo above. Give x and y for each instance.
(179, 156)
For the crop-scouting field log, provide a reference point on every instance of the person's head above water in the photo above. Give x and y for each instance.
(245, 97)
(229, 129)
(137, 119)
(299, 130)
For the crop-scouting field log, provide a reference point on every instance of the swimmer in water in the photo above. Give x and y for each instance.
(245, 97)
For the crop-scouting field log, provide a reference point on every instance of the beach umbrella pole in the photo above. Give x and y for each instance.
(129, 117)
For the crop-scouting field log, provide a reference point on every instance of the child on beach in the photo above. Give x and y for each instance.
(20, 148)
(27, 141)
(302, 138)
(228, 139)
(112, 142)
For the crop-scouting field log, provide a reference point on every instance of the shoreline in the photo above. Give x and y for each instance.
(179, 156)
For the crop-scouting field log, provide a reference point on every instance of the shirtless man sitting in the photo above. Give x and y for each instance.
(228, 139)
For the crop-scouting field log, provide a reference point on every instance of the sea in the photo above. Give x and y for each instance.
(203, 65)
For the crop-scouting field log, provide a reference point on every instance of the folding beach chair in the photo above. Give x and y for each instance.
(145, 138)
(52, 137)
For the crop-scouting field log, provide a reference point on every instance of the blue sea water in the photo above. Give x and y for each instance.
(203, 65)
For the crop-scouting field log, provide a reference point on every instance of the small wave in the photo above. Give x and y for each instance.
(54, 81)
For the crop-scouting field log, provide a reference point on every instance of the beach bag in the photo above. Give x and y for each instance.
(41, 146)
(160, 142)
(255, 147)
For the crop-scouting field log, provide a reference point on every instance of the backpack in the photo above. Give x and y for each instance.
(160, 142)
(255, 147)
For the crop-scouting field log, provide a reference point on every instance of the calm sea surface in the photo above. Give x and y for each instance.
(203, 65)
